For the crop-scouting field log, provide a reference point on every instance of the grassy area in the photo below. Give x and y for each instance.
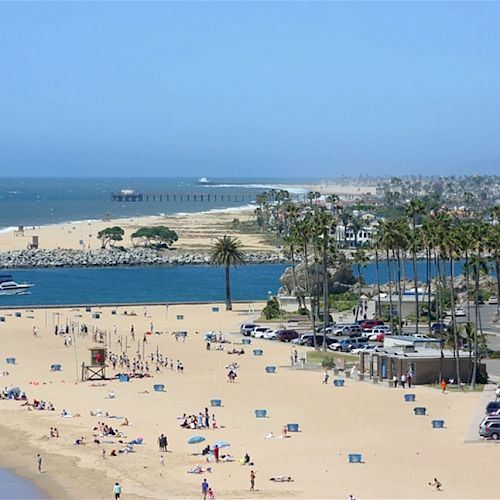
(251, 227)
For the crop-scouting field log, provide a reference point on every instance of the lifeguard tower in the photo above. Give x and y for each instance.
(96, 369)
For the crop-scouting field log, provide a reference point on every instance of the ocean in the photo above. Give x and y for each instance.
(14, 487)
(41, 201)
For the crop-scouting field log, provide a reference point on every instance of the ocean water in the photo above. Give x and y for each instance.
(142, 284)
(40, 201)
(14, 487)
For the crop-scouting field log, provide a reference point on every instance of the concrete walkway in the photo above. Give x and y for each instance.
(488, 394)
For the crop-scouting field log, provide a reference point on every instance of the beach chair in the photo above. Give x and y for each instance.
(409, 397)
(355, 458)
(438, 424)
(215, 402)
(270, 369)
(159, 388)
(419, 410)
(261, 413)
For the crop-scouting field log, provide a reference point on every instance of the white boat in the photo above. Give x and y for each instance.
(203, 181)
(9, 287)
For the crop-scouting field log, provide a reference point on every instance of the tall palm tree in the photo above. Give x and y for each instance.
(360, 259)
(227, 252)
(414, 209)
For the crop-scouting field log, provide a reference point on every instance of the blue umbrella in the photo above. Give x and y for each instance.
(196, 440)
(221, 444)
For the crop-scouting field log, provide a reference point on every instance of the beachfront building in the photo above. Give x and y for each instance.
(349, 237)
(426, 364)
(408, 303)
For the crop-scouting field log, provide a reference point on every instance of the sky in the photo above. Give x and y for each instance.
(249, 89)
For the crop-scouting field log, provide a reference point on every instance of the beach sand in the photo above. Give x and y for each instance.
(196, 231)
(401, 452)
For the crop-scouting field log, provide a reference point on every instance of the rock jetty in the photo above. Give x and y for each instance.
(114, 257)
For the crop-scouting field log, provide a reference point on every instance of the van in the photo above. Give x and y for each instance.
(247, 328)
(492, 406)
(286, 335)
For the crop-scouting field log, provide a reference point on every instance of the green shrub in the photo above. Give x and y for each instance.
(328, 362)
(272, 309)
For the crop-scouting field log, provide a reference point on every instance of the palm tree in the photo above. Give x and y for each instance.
(226, 252)
(360, 259)
(415, 208)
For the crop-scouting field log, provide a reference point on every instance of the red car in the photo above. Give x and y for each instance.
(371, 323)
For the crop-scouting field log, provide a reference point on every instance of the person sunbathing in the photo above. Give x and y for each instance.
(281, 479)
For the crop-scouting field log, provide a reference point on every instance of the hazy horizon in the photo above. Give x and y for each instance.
(282, 90)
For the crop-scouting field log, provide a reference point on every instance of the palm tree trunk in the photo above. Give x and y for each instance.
(229, 305)
(453, 320)
(400, 296)
(389, 276)
(378, 281)
(415, 279)
(326, 302)
(429, 281)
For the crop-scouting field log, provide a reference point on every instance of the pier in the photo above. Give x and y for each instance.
(133, 196)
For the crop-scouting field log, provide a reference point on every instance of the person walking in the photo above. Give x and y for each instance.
(216, 453)
(395, 381)
(436, 483)
(409, 378)
(325, 376)
(403, 380)
(204, 489)
(117, 490)
(39, 462)
(444, 384)
(252, 480)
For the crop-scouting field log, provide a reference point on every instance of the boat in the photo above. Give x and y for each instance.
(203, 181)
(9, 287)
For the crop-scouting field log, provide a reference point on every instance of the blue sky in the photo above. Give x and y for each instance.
(250, 89)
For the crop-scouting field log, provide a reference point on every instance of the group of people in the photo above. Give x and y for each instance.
(102, 430)
(406, 378)
(38, 405)
(200, 421)
(163, 443)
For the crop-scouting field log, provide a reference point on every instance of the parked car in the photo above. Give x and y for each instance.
(366, 348)
(439, 327)
(341, 330)
(422, 336)
(493, 300)
(492, 406)
(460, 312)
(377, 337)
(490, 430)
(308, 340)
(489, 418)
(286, 335)
(247, 328)
(346, 345)
(260, 332)
(370, 323)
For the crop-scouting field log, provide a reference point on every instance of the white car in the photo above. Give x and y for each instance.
(260, 331)
(493, 300)
(270, 334)
(366, 348)
(421, 336)
(460, 313)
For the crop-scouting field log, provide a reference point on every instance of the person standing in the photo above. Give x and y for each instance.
(160, 442)
(443, 385)
(403, 380)
(325, 376)
(216, 453)
(204, 489)
(409, 378)
(252, 480)
(395, 381)
(39, 462)
(117, 490)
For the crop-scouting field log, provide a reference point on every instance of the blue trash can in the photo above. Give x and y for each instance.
(159, 388)
(258, 352)
(215, 402)
(17, 314)
(270, 369)
(123, 378)
(2, 318)
(338, 382)
(55, 368)
(419, 410)
(409, 397)
(11, 361)
(438, 424)
(292, 427)
(355, 458)
(246, 341)
(261, 413)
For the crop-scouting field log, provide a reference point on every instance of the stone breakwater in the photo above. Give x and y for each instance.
(109, 258)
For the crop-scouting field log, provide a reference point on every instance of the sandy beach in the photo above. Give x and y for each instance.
(401, 452)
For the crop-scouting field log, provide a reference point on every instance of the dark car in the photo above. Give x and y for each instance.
(490, 430)
(286, 335)
(492, 406)
(439, 327)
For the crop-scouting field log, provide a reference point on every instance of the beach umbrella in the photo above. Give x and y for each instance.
(196, 440)
(221, 444)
